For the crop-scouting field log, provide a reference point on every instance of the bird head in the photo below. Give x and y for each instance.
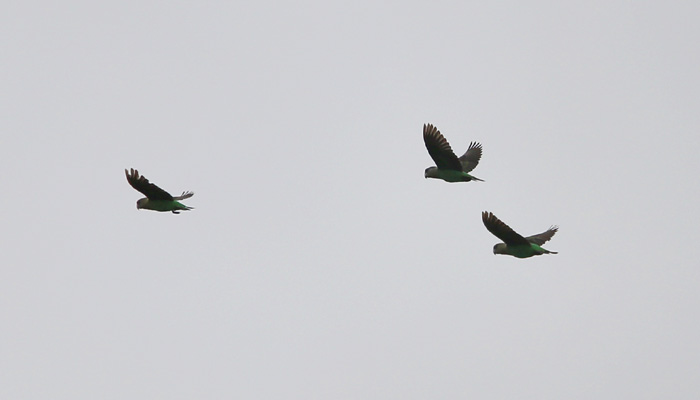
(499, 248)
(141, 203)
(430, 172)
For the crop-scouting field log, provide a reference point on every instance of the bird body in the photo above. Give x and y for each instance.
(156, 198)
(161, 205)
(449, 167)
(449, 175)
(520, 251)
(514, 244)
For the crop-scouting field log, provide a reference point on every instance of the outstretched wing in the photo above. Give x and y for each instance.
(502, 231)
(439, 149)
(142, 184)
(543, 237)
(184, 195)
(470, 159)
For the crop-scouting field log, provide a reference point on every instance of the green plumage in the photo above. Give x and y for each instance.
(449, 175)
(164, 205)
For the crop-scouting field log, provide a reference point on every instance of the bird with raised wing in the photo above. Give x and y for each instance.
(449, 167)
(515, 244)
(156, 198)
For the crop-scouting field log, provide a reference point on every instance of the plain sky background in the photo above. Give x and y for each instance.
(319, 263)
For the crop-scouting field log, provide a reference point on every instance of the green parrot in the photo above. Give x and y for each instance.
(516, 245)
(156, 198)
(450, 168)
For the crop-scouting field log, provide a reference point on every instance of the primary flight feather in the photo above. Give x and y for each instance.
(156, 198)
(449, 167)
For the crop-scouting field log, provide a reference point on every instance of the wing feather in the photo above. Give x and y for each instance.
(470, 159)
(439, 149)
(142, 184)
(502, 231)
(543, 237)
(184, 195)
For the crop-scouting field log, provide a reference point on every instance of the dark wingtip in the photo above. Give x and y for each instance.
(132, 173)
(431, 129)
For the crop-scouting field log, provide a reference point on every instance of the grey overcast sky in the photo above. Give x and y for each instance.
(319, 263)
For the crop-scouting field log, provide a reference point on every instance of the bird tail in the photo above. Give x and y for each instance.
(474, 178)
(183, 207)
(550, 252)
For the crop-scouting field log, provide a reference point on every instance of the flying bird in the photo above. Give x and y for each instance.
(516, 245)
(156, 198)
(450, 168)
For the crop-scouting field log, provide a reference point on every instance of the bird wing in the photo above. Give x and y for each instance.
(470, 159)
(184, 195)
(439, 149)
(543, 237)
(142, 184)
(502, 231)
